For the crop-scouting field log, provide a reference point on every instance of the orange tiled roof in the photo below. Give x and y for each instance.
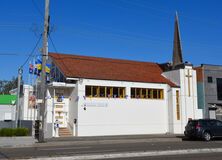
(75, 66)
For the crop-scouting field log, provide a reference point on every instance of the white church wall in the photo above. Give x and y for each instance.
(189, 90)
(66, 103)
(170, 110)
(174, 122)
(114, 116)
(186, 102)
(73, 111)
(186, 79)
(173, 76)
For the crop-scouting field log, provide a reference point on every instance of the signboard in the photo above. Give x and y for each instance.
(8, 116)
(94, 104)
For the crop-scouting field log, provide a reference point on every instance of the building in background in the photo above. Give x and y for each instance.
(209, 84)
(7, 107)
(28, 111)
(28, 105)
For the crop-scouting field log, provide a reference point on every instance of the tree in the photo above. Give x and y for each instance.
(6, 86)
(2, 85)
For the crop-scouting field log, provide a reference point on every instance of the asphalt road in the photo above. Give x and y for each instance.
(111, 146)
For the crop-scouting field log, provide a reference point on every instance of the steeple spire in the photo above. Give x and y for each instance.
(177, 48)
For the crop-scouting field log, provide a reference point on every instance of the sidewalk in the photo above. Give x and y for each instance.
(92, 140)
(112, 139)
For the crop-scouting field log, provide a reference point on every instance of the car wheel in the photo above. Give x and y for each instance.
(206, 136)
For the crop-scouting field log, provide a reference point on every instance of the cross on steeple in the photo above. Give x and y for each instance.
(189, 76)
(177, 48)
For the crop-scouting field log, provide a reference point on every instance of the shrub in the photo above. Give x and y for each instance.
(21, 132)
(10, 132)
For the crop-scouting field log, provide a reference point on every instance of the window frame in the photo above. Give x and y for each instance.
(209, 79)
(95, 91)
(219, 88)
(138, 93)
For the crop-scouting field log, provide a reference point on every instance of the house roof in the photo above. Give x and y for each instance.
(8, 99)
(76, 66)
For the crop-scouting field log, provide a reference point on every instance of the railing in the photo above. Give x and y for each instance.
(70, 127)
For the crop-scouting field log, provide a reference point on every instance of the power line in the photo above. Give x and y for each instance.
(13, 25)
(33, 50)
(52, 43)
(37, 8)
(168, 12)
(8, 54)
(40, 12)
(90, 30)
(14, 54)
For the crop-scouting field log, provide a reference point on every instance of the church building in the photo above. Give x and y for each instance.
(92, 96)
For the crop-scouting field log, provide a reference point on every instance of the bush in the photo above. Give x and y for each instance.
(10, 132)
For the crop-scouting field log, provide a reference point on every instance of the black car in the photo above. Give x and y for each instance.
(203, 128)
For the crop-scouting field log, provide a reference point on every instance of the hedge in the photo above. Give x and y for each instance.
(10, 132)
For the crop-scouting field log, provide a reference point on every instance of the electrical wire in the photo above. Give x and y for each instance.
(52, 43)
(40, 12)
(37, 8)
(33, 50)
(8, 54)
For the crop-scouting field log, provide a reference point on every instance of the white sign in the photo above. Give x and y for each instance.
(8, 116)
(95, 104)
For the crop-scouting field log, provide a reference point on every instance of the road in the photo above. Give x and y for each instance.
(137, 148)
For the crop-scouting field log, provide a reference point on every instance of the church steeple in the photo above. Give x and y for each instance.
(177, 48)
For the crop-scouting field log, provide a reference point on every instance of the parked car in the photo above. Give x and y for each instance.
(203, 128)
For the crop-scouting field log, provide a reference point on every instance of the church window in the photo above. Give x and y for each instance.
(115, 92)
(104, 92)
(137, 91)
(210, 79)
(150, 93)
(143, 93)
(133, 93)
(177, 105)
(88, 91)
(155, 94)
(121, 92)
(95, 92)
(147, 93)
(109, 92)
(160, 93)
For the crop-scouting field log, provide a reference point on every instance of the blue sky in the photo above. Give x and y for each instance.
(125, 29)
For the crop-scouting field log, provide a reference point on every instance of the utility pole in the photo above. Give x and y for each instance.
(43, 90)
(18, 109)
